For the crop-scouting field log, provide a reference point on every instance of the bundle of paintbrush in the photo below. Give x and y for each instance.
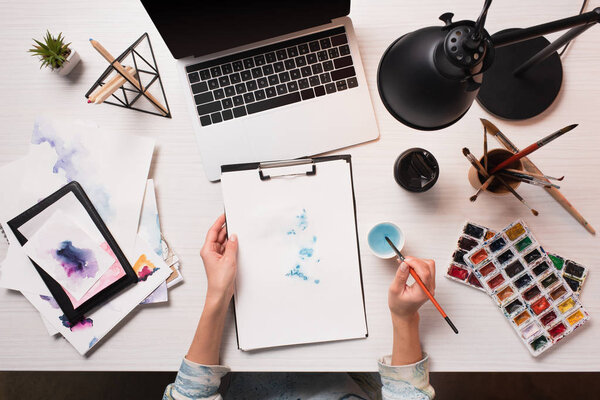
(540, 302)
(503, 172)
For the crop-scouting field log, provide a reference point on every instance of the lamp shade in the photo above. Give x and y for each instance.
(419, 86)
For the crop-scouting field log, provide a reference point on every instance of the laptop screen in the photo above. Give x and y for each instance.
(195, 28)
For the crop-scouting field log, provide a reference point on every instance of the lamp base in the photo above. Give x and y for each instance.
(520, 97)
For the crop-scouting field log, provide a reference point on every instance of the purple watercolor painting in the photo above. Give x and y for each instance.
(68, 254)
(77, 263)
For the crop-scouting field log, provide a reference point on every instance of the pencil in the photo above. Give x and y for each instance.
(533, 147)
(475, 162)
(531, 167)
(117, 65)
(111, 86)
(422, 285)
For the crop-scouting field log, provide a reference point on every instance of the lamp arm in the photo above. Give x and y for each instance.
(514, 36)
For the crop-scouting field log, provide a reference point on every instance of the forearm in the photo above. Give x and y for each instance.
(406, 344)
(206, 345)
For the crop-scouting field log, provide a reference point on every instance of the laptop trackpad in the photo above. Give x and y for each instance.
(304, 130)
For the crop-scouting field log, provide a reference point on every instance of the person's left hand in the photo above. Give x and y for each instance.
(220, 262)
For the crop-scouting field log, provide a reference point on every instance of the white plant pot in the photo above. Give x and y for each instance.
(72, 60)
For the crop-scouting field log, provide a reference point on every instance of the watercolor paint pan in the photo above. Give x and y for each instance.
(471, 236)
(519, 276)
(572, 272)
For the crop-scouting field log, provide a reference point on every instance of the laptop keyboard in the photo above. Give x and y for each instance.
(273, 76)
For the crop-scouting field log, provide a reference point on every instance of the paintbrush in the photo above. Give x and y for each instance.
(482, 187)
(422, 285)
(533, 147)
(485, 149)
(531, 167)
(475, 162)
(533, 175)
(528, 179)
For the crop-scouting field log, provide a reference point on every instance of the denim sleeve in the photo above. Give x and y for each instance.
(196, 382)
(406, 382)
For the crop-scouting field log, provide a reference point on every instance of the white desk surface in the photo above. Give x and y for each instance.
(156, 337)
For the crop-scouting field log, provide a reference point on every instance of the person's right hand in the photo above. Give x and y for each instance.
(220, 262)
(405, 300)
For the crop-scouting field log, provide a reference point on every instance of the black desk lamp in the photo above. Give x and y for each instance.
(429, 78)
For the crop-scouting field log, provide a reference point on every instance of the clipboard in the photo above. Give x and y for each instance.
(62, 195)
(299, 270)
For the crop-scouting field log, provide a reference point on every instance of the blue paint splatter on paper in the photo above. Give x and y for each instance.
(302, 220)
(305, 253)
(77, 263)
(297, 272)
(70, 159)
(50, 301)
(93, 342)
(306, 242)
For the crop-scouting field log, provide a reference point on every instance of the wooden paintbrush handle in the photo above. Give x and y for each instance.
(558, 196)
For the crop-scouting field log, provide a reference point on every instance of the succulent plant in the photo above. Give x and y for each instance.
(53, 52)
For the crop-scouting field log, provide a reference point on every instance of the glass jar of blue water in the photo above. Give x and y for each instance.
(377, 241)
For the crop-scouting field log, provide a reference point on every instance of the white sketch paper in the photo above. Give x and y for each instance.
(298, 260)
(149, 230)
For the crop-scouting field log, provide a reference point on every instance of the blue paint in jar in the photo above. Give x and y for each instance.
(377, 241)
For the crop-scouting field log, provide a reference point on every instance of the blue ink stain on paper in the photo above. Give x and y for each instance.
(67, 155)
(306, 251)
(302, 220)
(93, 342)
(77, 263)
(50, 301)
(297, 272)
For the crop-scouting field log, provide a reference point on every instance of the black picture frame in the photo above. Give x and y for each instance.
(74, 315)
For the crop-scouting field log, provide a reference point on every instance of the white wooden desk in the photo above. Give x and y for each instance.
(155, 338)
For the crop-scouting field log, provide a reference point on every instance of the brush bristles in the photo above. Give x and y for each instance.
(534, 212)
(473, 198)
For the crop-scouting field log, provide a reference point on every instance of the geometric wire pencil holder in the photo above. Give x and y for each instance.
(128, 96)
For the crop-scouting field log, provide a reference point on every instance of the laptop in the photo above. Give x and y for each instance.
(267, 79)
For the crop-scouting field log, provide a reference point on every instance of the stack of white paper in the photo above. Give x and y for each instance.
(113, 170)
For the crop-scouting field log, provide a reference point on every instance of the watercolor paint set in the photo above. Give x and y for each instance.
(519, 275)
(460, 271)
(573, 273)
(472, 235)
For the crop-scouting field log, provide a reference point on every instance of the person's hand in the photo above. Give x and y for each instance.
(220, 262)
(405, 300)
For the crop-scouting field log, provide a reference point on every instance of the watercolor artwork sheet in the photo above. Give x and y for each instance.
(151, 271)
(298, 262)
(149, 230)
(68, 254)
(111, 167)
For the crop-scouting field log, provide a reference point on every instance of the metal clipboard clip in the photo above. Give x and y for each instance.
(288, 166)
